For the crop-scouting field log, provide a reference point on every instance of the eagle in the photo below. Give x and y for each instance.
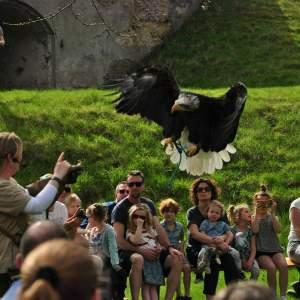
(198, 130)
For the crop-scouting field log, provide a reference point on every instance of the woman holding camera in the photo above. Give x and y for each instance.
(269, 253)
(16, 203)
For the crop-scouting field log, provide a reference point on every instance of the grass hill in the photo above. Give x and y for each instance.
(256, 42)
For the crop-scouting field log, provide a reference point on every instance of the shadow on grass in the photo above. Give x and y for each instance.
(249, 41)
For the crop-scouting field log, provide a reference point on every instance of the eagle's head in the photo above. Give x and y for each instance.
(186, 102)
(239, 90)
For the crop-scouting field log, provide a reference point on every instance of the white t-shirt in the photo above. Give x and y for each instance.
(292, 235)
(59, 214)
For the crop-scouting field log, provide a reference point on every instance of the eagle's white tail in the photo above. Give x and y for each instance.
(202, 162)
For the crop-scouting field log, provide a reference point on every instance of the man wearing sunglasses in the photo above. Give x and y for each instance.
(121, 192)
(132, 256)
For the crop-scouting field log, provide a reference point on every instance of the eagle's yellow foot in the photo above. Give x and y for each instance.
(192, 150)
(167, 141)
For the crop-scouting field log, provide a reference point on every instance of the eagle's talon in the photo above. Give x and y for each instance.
(168, 141)
(192, 150)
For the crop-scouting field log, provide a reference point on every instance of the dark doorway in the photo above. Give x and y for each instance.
(28, 58)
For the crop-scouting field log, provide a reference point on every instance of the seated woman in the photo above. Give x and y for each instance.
(202, 192)
(54, 270)
(293, 248)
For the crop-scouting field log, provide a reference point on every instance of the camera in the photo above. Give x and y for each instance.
(71, 177)
(264, 204)
(80, 214)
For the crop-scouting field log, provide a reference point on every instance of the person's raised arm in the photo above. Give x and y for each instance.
(136, 237)
(44, 199)
(275, 220)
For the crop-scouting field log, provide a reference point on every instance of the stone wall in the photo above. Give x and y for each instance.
(86, 43)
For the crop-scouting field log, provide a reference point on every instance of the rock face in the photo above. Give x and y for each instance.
(84, 42)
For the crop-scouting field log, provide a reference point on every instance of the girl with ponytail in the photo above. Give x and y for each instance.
(269, 253)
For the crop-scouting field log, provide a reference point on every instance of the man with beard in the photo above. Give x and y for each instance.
(132, 257)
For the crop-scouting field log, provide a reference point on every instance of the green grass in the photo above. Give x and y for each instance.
(256, 42)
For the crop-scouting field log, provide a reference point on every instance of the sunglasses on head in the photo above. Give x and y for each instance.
(139, 217)
(123, 191)
(137, 184)
(203, 189)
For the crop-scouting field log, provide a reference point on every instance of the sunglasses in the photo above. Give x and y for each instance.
(123, 191)
(139, 217)
(203, 189)
(137, 184)
(15, 160)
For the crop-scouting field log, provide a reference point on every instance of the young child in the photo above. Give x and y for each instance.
(269, 254)
(102, 242)
(168, 209)
(141, 233)
(72, 202)
(244, 239)
(218, 232)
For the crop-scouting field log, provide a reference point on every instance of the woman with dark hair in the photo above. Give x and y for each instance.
(202, 192)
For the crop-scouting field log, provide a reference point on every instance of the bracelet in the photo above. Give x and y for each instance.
(168, 247)
(57, 179)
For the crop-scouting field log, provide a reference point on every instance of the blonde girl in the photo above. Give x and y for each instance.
(73, 203)
(266, 226)
(244, 239)
(141, 233)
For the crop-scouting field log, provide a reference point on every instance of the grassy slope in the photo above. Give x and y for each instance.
(253, 41)
(256, 43)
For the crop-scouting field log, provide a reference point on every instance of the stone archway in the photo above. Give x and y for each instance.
(28, 58)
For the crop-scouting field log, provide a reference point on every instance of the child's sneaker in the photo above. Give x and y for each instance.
(202, 261)
(218, 260)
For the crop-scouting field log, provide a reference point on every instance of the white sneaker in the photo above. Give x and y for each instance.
(218, 260)
(283, 298)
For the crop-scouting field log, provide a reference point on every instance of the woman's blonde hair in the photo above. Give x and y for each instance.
(234, 212)
(53, 271)
(148, 220)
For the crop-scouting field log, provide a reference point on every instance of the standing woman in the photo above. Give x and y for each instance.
(293, 248)
(16, 203)
(202, 192)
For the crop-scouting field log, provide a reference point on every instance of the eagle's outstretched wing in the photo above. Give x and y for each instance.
(228, 111)
(150, 92)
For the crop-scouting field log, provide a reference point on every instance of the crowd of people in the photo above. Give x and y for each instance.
(68, 253)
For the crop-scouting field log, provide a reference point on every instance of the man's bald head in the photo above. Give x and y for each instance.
(38, 233)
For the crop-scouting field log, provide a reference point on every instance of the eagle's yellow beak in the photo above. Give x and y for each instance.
(174, 108)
